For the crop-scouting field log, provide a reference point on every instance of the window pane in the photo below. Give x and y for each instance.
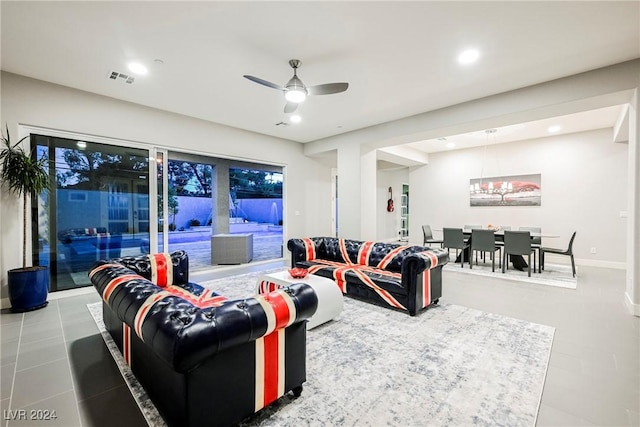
(99, 210)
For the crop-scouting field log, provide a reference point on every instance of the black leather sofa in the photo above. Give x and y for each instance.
(203, 360)
(403, 277)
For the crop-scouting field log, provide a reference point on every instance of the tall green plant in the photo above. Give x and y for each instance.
(24, 176)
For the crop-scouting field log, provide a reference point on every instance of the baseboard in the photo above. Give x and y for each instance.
(560, 259)
(634, 309)
(597, 263)
(6, 303)
(71, 293)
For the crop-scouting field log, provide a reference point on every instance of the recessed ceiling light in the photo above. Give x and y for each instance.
(553, 129)
(451, 145)
(468, 56)
(295, 118)
(81, 144)
(137, 68)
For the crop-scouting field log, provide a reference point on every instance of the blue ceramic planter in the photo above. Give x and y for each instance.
(28, 288)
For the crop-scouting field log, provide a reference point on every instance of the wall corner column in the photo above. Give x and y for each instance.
(356, 192)
(368, 194)
(349, 191)
(632, 294)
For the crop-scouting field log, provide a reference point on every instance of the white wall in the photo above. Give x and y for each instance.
(36, 103)
(388, 223)
(584, 184)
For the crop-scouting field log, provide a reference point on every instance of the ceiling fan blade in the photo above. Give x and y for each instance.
(263, 82)
(327, 89)
(290, 107)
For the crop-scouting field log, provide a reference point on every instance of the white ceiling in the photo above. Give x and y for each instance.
(571, 123)
(399, 57)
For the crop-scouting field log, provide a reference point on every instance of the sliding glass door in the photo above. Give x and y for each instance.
(209, 196)
(98, 210)
(109, 200)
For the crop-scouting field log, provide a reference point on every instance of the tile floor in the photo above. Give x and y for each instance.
(54, 359)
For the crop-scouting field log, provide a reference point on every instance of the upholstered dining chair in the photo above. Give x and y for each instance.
(568, 252)
(428, 236)
(484, 241)
(454, 239)
(518, 243)
(536, 242)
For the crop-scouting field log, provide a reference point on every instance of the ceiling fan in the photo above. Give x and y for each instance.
(296, 92)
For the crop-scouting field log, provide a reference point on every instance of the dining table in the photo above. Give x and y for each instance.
(517, 261)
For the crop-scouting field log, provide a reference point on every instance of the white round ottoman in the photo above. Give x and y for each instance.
(330, 299)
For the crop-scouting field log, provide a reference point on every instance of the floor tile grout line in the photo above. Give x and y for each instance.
(124, 384)
(73, 385)
(48, 397)
(41, 364)
(15, 367)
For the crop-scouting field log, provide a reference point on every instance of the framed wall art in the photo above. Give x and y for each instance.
(516, 190)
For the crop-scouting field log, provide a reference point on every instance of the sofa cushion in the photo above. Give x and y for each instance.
(386, 256)
(343, 274)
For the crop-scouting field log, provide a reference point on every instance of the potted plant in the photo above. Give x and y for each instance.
(24, 176)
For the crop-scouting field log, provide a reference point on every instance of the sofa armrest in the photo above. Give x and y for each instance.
(304, 249)
(184, 335)
(428, 259)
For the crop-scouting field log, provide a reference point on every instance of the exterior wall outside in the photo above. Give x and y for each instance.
(87, 213)
(261, 210)
(584, 184)
(40, 104)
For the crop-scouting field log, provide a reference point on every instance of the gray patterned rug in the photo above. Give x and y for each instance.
(556, 275)
(449, 365)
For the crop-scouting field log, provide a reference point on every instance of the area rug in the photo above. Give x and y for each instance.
(449, 365)
(556, 275)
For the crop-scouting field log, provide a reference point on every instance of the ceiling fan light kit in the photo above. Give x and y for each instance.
(296, 95)
(295, 91)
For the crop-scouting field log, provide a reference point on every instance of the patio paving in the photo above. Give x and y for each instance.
(266, 246)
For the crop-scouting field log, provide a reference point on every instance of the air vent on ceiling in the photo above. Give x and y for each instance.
(114, 75)
(285, 124)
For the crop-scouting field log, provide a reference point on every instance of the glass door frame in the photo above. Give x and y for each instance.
(32, 235)
(159, 156)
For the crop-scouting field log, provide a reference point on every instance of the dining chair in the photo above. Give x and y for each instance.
(454, 239)
(518, 243)
(428, 236)
(484, 241)
(568, 252)
(536, 242)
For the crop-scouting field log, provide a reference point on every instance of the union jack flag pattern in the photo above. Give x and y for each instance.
(270, 354)
(180, 338)
(405, 277)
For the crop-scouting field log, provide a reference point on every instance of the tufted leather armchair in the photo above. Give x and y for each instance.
(403, 277)
(203, 359)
